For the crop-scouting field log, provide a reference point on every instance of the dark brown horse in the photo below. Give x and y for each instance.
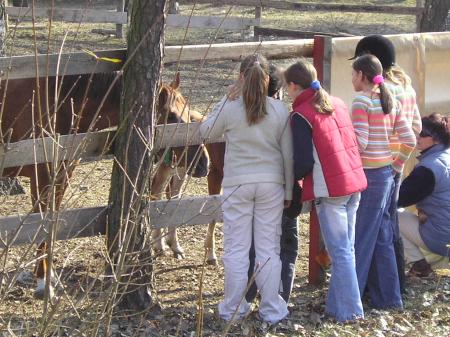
(25, 114)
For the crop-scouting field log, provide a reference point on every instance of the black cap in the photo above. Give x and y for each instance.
(379, 46)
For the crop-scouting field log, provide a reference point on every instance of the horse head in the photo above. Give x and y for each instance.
(172, 107)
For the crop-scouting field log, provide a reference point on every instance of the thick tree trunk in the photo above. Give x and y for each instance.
(128, 225)
(436, 11)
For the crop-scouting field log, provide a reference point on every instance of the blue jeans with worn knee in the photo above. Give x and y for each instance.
(376, 265)
(337, 218)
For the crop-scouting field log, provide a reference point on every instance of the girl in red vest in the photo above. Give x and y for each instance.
(326, 156)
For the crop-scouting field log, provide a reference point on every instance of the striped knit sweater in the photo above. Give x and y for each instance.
(406, 96)
(373, 131)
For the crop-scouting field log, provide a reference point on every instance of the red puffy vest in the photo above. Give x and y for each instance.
(338, 169)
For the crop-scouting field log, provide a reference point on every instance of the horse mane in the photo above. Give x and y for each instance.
(74, 86)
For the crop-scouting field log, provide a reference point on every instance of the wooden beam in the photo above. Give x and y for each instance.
(70, 14)
(175, 135)
(84, 63)
(310, 6)
(74, 223)
(77, 63)
(93, 145)
(267, 31)
(79, 146)
(85, 222)
(197, 21)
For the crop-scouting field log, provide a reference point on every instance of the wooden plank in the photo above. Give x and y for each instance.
(267, 31)
(70, 14)
(83, 63)
(80, 146)
(310, 6)
(94, 145)
(119, 27)
(235, 51)
(174, 135)
(186, 211)
(197, 21)
(74, 223)
(77, 63)
(85, 222)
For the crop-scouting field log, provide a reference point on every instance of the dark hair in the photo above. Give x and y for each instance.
(370, 66)
(275, 81)
(303, 74)
(437, 126)
(255, 68)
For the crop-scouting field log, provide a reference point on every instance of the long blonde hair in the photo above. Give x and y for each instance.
(255, 70)
(303, 74)
(397, 75)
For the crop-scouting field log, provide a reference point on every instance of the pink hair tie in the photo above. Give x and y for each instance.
(378, 79)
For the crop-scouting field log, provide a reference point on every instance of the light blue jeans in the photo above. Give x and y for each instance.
(337, 217)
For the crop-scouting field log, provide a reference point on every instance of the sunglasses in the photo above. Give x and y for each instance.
(424, 134)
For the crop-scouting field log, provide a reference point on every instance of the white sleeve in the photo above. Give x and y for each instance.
(215, 124)
(288, 157)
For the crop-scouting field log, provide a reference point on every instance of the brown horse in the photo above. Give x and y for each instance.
(173, 108)
(27, 111)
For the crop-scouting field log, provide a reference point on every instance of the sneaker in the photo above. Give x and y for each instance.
(420, 268)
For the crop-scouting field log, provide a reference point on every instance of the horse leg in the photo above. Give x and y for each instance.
(173, 190)
(216, 153)
(40, 193)
(159, 182)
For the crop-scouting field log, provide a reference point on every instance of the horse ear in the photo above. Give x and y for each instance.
(163, 96)
(176, 82)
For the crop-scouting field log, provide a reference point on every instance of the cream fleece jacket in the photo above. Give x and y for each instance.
(258, 153)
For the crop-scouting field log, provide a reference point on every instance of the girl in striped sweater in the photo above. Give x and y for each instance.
(376, 117)
(399, 84)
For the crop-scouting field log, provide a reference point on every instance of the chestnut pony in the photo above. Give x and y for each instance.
(79, 97)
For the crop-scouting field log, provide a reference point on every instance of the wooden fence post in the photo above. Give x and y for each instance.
(322, 63)
(258, 14)
(419, 4)
(119, 26)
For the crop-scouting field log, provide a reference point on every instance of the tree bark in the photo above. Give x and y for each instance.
(128, 222)
(435, 15)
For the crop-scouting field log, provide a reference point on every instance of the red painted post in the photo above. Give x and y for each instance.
(321, 60)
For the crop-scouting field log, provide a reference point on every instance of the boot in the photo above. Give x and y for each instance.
(420, 268)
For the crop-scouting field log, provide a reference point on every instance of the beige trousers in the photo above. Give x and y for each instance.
(415, 248)
(412, 241)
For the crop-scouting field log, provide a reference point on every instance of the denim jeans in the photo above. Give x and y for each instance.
(398, 241)
(288, 256)
(337, 218)
(376, 265)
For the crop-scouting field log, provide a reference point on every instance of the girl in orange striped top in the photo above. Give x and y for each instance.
(376, 117)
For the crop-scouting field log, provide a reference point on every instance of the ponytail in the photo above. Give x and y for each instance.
(386, 99)
(371, 68)
(397, 75)
(255, 70)
(304, 75)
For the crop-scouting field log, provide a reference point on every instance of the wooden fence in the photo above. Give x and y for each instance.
(120, 18)
(417, 11)
(85, 222)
